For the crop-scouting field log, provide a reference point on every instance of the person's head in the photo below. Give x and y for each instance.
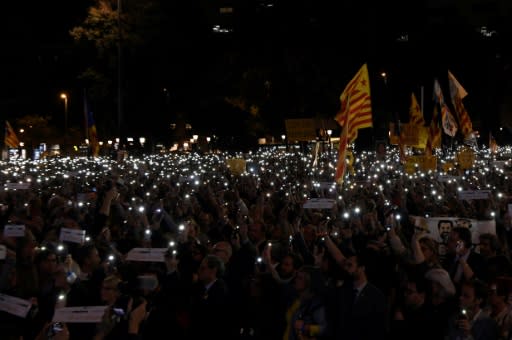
(355, 266)
(307, 280)
(88, 258)
(289, 265)
(210, 269)
(309, 233)
(429, 247)
(489, 245)
(459, 234)
(223, 250)
(473, 295)
(256, 231)
(498, 295)
(46, 261)
(415, 291)
(445, 228)
(463, 222)
(110, 289)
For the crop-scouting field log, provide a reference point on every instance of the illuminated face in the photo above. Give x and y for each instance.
(445, 228)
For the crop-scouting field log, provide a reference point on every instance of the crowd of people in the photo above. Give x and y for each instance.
(245, 257)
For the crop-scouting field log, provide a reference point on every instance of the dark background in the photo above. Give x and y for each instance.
(290, 59)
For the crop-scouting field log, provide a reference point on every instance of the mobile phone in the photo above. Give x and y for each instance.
(54, 328)
(463, 314)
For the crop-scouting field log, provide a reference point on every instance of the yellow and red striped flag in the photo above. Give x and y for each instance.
(415, 114)
(10, 138)
(457, 93)
(355, 113)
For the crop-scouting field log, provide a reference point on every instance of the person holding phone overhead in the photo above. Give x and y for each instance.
(462, 262)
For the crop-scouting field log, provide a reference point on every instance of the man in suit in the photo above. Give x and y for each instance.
(210, 312)
(363, 307)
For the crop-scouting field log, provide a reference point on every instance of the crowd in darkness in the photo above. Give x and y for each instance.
(245, 259)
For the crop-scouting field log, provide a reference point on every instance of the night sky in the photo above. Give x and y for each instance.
(291, 59)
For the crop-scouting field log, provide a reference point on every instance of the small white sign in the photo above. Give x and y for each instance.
(319, 203)
(85, 314)
(17, 186)
(72, 235)
(474, 194)
(499, 164)
(14, 305)
(448, 178)
(327, 185)
(146, 254)
(14, 230)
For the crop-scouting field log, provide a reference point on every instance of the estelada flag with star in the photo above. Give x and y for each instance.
(355, 113)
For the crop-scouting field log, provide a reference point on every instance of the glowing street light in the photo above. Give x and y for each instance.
(65, 98)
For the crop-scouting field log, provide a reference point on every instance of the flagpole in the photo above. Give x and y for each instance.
(421, 97)
(86, 120)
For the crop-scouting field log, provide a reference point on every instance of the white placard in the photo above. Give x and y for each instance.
(14, 305)
(14, 230)
(440, 227)
(17, 186)
(84, 314)
(474, 194)
(146, 254)
(448, 178)
(72, 235)
(319, 203)
(499, 164)
(327, 185)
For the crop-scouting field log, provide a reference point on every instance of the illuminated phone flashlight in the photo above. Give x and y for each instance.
(172, 244)
(493, 214)
(60, 248)
(158, 211)
(398, 217)
(335, 234)
(259, 259)
(61, 297)
(175, 252)
(147, 232)
(80, 204)
(87, 238)
(141, 209)
(346, 215)
(357, 210)
(111, 258)
(181, 227)
(270, 244)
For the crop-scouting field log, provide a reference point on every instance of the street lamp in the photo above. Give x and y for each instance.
(385, 77)
(65, 97)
